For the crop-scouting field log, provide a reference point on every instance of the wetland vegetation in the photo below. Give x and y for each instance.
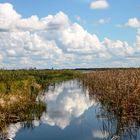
(118, 91)
(19, 90)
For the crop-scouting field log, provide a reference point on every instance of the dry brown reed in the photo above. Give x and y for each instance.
(118, 90)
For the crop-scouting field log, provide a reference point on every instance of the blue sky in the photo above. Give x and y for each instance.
(107, 22)
(118, 12)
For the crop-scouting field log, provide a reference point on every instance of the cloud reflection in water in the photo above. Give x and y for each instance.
(64, 102)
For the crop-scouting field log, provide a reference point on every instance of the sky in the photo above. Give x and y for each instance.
(69, 33)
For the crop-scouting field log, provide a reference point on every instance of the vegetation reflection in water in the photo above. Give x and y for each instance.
(26, 118)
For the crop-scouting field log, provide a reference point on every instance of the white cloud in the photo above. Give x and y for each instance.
(55, 41)
(99, 4)
(8, 16)
(1, 58)
(77, 40)
(31, 23)
(118, 48)
(133, 22)
(11, 53)
(137, 44)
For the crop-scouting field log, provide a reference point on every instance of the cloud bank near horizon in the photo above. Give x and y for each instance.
(55, 41)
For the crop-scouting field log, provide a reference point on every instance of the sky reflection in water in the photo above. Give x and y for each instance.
(70, 115)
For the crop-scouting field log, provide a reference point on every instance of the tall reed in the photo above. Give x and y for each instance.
(117, 90)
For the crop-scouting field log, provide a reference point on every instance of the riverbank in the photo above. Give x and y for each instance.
(19, 89)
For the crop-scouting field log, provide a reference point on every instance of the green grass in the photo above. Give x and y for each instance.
(14, 80)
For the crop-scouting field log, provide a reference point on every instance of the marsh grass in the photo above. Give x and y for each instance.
(118, 91)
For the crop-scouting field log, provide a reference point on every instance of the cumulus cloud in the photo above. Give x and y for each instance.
(133, 22)
(55, 41)
(99, 4)
(118, 48)
(76, 39)
(8, 16)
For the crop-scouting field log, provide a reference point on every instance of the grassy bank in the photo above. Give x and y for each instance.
(19, 89)
(41, 77)
(118, 91)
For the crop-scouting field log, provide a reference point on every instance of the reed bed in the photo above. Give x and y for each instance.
(118, 91)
